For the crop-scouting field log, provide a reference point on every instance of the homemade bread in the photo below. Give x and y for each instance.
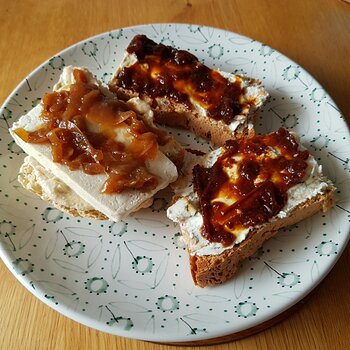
(184, 92)
(230, 201)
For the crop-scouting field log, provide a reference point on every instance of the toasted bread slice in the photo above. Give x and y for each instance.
(247, 193)
(184, 92)
(114, 206)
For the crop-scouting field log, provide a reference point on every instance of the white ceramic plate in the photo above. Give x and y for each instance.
(132, 278)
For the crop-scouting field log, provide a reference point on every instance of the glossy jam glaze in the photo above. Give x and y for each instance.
(248, 183)
(96, 133)
(162, 71)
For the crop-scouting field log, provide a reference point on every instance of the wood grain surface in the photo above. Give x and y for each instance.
(315, 33)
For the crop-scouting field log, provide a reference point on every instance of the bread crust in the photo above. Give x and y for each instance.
(210, 270)
(170, 113)
(173, 114)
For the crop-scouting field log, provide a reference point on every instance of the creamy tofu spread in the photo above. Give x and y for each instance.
(114, 206)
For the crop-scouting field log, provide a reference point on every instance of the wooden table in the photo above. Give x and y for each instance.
(315, 33)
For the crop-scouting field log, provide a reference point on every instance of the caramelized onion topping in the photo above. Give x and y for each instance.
(248, 184)
(162, 71)
(98, 134)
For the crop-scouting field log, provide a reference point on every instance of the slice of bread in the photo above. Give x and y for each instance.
(183, 92)
(213, 261)
(114, 206)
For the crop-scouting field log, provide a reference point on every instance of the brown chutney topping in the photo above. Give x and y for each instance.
(98, 134)
(248, 183)
(162, 71)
